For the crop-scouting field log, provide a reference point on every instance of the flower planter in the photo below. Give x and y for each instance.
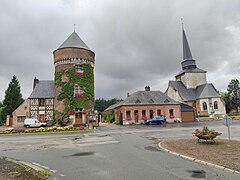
(206, 134)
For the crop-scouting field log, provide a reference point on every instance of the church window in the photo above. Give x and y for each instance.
(215, 105)
(204, 106)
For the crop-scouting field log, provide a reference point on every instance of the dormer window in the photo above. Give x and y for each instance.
(79, 70)
(78, 92)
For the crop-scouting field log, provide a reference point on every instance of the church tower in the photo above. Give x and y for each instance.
(74, 80)
(191, 75)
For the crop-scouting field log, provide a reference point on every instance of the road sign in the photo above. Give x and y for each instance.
(227, 120)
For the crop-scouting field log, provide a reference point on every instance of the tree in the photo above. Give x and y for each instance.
(102, 104)
(13, 97)
(234, 92)
(227, 99)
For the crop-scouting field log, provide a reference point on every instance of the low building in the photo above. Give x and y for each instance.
(143, 105)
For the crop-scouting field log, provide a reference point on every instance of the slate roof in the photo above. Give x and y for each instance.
(203, 91)
(206, 91)
(145, 98)
(43, 89)
(73, 41)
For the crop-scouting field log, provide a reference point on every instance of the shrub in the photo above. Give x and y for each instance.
(233, 114)
(203, 115)
(117, 123)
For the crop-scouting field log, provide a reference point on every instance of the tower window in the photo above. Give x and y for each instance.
(78, 92)
(215, 105)
(204, 106)
(78, 68)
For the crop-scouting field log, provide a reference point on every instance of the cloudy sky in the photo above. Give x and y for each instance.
(136, 42)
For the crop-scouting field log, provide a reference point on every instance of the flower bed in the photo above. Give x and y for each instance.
(206, 134)
(41, 129)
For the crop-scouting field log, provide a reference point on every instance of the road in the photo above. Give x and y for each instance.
(114, 153)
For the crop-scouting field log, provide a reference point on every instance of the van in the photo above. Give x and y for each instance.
(33, 123)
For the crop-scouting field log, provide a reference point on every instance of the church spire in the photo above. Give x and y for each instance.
(188, 61)
(186, 49)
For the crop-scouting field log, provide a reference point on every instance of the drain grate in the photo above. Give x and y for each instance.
(151, 148)
(83, 154)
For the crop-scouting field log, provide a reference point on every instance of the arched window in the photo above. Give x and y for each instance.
(204, 106)
(215, 105)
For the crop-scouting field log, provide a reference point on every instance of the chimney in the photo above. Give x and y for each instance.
(35, 82)
(128, 94)
(147, 88)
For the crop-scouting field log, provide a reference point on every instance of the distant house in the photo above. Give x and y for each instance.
(191, 87)
(142, 105)
(39, 105)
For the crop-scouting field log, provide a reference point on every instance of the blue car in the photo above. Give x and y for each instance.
(155, 120)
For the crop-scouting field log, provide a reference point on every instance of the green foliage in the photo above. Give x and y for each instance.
(234, 92)
(102, 104)
(117, 123)
(233, 114)
(203, 115)
(67, 90)
(13, 98)
(227, 99)
(109, 116)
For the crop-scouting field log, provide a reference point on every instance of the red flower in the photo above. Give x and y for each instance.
(128, 118)
(73, 113)
(78, 73)
(84, 112)
(78, 95)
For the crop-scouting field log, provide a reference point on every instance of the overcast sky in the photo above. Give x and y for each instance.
(136, 42)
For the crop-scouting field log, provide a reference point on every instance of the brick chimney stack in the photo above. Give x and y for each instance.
(35, 82)
(147, 88)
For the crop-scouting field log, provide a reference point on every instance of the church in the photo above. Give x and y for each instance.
(191, 86)
(70, 96)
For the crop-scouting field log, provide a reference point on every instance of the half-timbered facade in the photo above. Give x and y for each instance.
(41, 103)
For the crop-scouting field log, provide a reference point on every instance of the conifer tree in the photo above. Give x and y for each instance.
(13, 97)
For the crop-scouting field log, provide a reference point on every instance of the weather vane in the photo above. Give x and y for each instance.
(74, 27)
(182, 22)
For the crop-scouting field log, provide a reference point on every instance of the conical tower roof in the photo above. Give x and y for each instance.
(73, 41)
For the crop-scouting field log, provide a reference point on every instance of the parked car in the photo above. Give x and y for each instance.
(33, 123)
(155, 120)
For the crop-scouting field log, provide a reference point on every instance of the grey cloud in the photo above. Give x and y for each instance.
(136, 43)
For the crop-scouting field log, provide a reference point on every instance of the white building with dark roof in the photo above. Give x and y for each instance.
(191, 86)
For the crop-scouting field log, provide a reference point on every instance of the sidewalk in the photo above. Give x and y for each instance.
(11, 169)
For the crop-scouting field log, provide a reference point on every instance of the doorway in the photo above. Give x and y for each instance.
(78, 118)
(136, 116)
(151, 113)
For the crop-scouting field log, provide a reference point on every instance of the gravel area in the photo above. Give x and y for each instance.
(10, 170)
(223, 152)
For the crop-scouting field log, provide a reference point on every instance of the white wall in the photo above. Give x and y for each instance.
(221, 106)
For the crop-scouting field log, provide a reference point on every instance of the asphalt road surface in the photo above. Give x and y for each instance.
(114, 153)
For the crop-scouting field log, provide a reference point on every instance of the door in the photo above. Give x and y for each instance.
(136, 116)
(78, 118)
(41, 117)
(121, 119)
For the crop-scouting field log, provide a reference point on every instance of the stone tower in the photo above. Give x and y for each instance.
(74, 80)
(191, 75)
